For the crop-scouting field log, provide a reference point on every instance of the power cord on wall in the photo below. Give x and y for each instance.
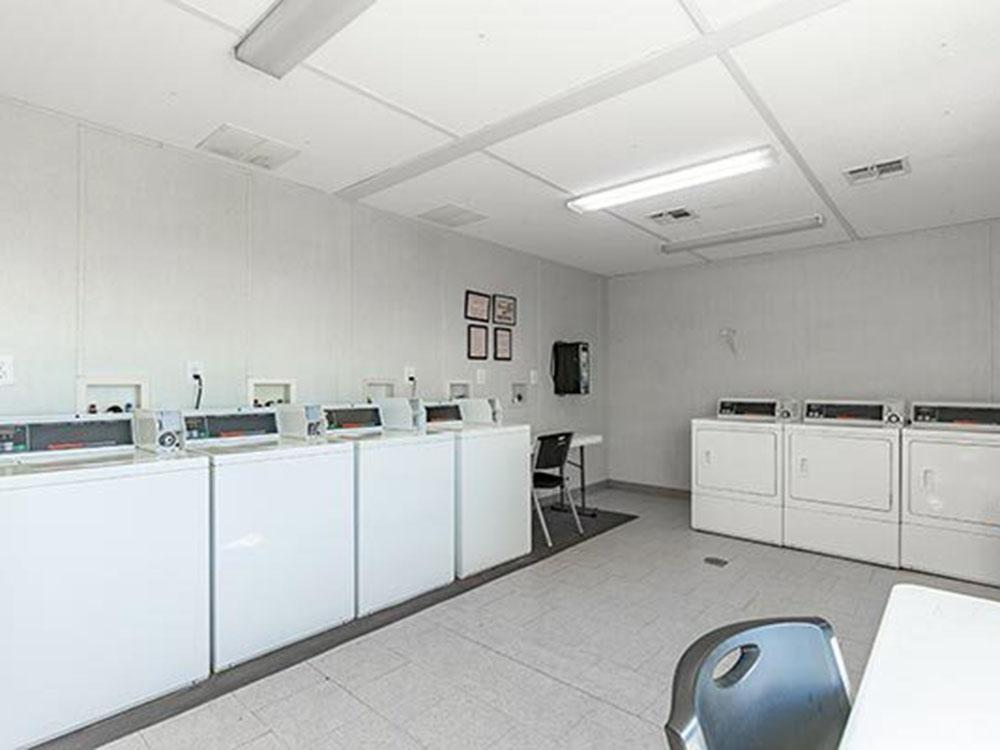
(201, 390)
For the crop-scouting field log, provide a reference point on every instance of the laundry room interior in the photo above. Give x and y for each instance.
(477, 374)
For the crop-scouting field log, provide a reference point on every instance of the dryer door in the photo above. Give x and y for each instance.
(737, 459)
(955, 481)
(853, 469)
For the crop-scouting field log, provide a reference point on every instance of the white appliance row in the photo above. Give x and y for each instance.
(137, 556)
(850, 480)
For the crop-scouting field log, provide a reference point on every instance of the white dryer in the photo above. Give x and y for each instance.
(492, 485)
(405, 502)
(104, 573)
(282, 532)
(951, 487)
(842, 479)
(737, 468)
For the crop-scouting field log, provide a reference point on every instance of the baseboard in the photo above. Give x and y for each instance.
(649, 489)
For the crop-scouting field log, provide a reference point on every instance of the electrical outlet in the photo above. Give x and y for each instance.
(409, 373)
(481, 376)
(194, 368)
(533, 377)
(6, 370)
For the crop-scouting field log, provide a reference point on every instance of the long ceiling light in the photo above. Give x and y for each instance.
(816, 221)
(697, 174)
(291, 30)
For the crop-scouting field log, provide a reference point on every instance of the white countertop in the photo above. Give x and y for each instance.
(580, 439)
(932, 679)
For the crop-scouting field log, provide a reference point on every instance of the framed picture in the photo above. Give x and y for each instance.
(477, 306)
(503, 344)
(504, 310)
(478, 342)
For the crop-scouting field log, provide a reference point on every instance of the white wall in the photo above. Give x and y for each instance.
(911, 315)
(123, 257)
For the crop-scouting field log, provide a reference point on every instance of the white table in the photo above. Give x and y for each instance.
(581, 441)
(932, 679)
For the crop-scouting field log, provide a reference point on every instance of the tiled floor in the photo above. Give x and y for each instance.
(574, 652)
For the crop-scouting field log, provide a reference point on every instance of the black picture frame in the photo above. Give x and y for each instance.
(499, 334)
(474, 304)
(504, 310)
(472, 334)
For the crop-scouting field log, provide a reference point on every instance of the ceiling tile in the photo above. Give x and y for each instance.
(241, 14)
(695, 114)
(724, 12)
(467, 63)
(158, 71)
(525, 214)
(881, 79)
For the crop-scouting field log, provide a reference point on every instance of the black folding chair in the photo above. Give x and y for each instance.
(551, 452)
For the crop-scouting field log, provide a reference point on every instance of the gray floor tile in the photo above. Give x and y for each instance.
(131, 742)
(223, 724)
(460, 723)
(306, 717)
(358, 662)
(278, 686)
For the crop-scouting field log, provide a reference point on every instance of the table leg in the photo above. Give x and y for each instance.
(584, 510)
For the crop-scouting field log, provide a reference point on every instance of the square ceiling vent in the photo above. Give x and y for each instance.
(249, 148)
(452, 216)
(672, 216)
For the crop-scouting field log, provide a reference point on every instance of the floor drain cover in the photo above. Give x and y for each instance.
(717, 561)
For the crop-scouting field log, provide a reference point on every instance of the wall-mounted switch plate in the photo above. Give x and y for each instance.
(533, 377)
(480, 376)
(6, 370)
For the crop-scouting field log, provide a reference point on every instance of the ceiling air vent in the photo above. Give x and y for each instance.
(672, 216)
(878, 171)
(249, 148)
(452, 216)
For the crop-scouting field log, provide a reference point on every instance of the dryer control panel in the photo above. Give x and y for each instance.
(758, 409)
(858, 412)
(957, 416)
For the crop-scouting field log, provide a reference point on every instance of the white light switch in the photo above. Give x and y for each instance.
(6, 370)
(480, 376)
(533, 377)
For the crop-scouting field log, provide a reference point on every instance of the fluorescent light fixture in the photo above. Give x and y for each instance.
(815, 221)
(291, 30)
(679, 179)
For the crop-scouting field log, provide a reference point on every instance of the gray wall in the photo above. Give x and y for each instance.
(121, 257)
(910, 315)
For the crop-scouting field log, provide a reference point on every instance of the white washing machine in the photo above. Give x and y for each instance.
(104, 574)
(737, 468)
(282, 532)
(492, 487)
(842, 484)
(405, 503)
(951, 491)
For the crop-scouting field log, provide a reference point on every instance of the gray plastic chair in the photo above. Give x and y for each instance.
(785, 688)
